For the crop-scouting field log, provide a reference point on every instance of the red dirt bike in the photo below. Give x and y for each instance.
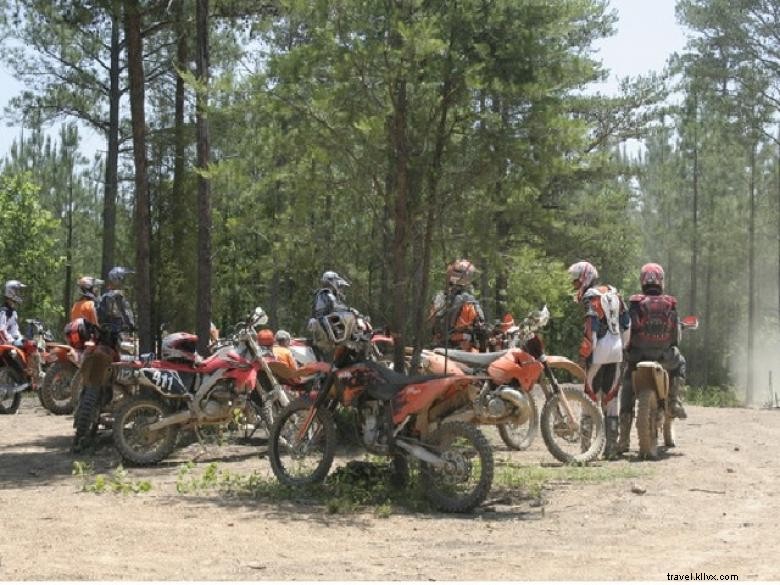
(396, 415)
(233, 385)
(503, 396)
(21, 367)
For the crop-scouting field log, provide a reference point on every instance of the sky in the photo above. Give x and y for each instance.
(647, 34)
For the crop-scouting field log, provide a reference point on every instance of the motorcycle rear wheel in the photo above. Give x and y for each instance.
(465, 479)
(135, 443)
(519, 437)
(306, 461)
(565, 443)
(647, 422)
(11, 404)
(55, 394)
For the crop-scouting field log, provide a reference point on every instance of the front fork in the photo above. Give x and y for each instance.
(554, 389)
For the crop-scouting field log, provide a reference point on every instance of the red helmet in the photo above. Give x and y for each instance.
(583, 275)
(652, 275)
(180, 346)
(461, 272)
(265, 337)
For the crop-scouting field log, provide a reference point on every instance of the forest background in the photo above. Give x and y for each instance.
(251, 145)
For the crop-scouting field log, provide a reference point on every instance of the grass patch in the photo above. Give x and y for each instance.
(532, 479)
(721, 396)
(117, 482)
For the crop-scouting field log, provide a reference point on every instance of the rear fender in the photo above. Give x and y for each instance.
(14, 358)
(564, 363)
(417, 399)
(61, 353)
(653, 375)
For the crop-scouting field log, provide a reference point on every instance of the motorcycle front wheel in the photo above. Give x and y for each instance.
(11, 403)
(135, 442)
(578, 438)
(520, 436)
(302, 444)
(56, 393)
(465, 477)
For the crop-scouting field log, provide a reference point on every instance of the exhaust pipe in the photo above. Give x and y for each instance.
(517, 398)
(420, 452)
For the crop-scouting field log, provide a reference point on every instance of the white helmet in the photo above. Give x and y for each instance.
(283, 337)
(180, 346)
(13, 290)
(87, 284)
(333, 281)
(583, 275)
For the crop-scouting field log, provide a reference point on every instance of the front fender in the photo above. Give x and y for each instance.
(563, 363)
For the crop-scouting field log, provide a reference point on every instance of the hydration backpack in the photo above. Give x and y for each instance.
(653, 321)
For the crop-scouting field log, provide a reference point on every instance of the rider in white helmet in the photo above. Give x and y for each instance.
(605, 335)
(9, 320)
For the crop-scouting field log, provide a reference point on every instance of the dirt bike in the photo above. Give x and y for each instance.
(56, 391)
(233, 385)
(651, 387)
(395, 415)
(21, 366)
(504, 395)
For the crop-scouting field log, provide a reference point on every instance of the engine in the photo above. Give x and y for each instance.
(501, 402)
(219, 401)
(373, 426)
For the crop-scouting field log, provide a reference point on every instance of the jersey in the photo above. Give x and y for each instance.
(457, 319)
(114, 312)
(9, 324)
(607, 325)
(85, 309)
(654, 322)
(285, 356)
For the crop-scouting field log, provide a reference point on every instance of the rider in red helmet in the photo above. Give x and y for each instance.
(655, 333)
(605, 334)
(458, 320)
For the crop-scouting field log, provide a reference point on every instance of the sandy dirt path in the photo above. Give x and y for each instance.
(710, 506)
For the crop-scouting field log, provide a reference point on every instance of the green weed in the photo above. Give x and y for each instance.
(720, 396)
(117, 482)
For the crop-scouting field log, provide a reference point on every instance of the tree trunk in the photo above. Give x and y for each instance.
(112, 156)
(400, 235)
(751, 278)
(203, 303)
(142, 217)
(69, 248)
(695, 235)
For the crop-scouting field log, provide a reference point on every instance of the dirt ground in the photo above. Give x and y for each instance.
(710, 506)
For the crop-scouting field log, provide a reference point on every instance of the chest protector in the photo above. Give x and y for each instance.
(653, 321)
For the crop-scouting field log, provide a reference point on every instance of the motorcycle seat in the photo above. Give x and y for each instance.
(393, 382)
(476, 360)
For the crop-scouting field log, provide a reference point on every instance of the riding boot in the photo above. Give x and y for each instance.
(676, 394)
(624, 437)
(611, 448)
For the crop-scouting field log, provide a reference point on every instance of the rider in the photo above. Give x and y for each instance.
(458, 320)
(115, 316)
(282, 349)
(9, 320)
(655, 333)
(606, 333)
(84, 307)
(330, 298)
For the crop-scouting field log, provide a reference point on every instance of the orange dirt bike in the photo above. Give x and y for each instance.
(503, 395)
(59, 389)
(397, 416)
(21, 366)
(651, 387)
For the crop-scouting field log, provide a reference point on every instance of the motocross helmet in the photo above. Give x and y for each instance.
(87, 285)
(461, 272)
(583, 275)
(180, 347)
(333, 281)
(265, 337)
(283, 337)
(651, 277)
(13, 290)
(117, 275)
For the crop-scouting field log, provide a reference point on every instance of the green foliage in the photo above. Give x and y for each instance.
(720, 396)
(118, 482)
